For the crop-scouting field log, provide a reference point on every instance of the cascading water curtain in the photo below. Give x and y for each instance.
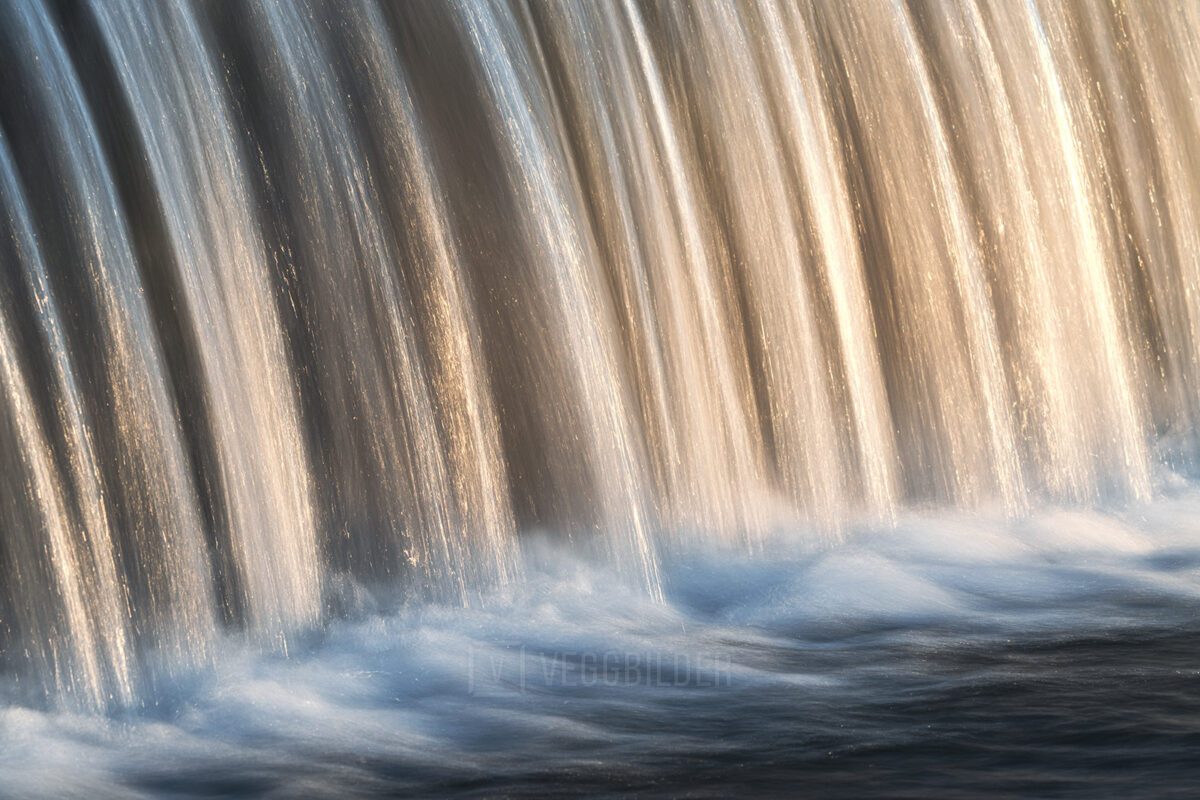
(301, 297)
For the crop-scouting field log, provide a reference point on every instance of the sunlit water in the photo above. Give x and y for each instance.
(841, 351)
(962, 654)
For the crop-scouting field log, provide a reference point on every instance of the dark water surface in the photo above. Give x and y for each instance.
(308, 305)
(956, 655)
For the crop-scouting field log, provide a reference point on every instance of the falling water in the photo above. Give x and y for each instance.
(300, 300)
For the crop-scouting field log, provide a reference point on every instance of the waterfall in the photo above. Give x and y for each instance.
(301, 300)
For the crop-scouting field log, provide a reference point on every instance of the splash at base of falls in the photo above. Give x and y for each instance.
(931, 657)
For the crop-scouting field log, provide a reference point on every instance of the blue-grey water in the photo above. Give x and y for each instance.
(956, 655)
(536, 397)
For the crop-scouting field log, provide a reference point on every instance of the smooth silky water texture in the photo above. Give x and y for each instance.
(854, 347)
(958, 655)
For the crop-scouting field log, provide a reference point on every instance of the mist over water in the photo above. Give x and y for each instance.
(955, 655)
(347, 346)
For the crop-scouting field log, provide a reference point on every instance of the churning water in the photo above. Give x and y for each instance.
(519, 397)
(954, 655)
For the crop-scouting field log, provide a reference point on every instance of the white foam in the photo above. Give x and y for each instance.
(434, 688)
